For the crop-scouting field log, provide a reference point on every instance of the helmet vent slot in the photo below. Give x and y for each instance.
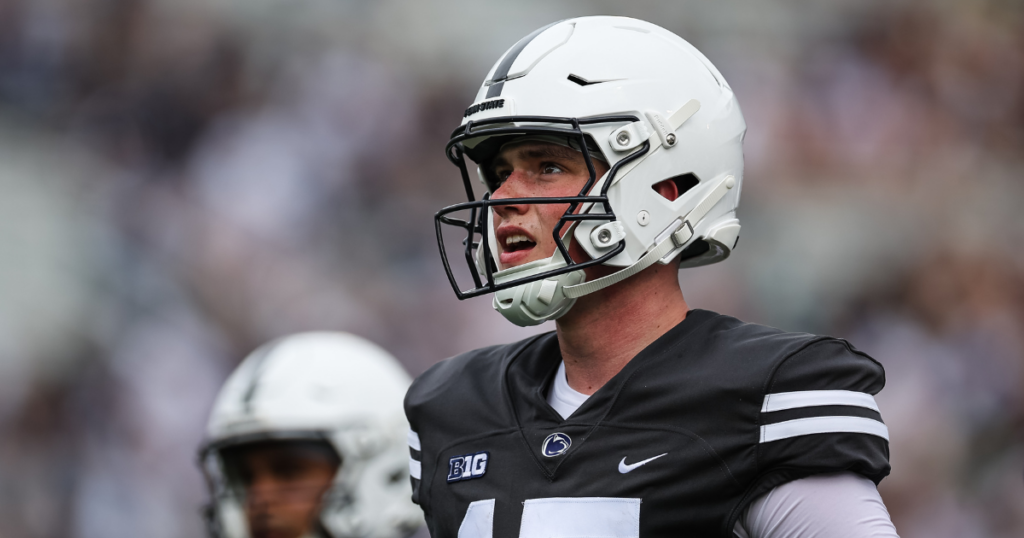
(683, 183)
(584, 82)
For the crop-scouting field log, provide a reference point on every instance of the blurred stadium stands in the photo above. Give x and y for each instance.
(183, 180)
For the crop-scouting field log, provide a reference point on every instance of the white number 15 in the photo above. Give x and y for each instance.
(561, 517)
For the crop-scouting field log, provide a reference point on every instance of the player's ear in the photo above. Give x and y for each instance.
(667, 189)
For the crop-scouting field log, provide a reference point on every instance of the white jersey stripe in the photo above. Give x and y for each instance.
(813, 398)
(414, 441)
(415, 469)
(813, 425)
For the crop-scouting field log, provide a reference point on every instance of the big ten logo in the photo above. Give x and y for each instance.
(467, 467)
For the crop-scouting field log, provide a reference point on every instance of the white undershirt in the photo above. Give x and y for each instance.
(562, 397)
(840, 505)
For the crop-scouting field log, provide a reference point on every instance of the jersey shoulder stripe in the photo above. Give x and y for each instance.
(813, 398)
(819, 425)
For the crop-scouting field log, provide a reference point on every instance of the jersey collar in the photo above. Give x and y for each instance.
(529, 374)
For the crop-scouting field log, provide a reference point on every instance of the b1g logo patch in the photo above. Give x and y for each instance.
(555, 445)
(467, 467)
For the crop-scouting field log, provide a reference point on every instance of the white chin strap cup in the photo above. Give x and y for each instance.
(534, 303)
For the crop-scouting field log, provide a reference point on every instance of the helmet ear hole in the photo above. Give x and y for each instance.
(682, 183)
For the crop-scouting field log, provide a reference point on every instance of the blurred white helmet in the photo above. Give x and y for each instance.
(647, 103)
(332, 387)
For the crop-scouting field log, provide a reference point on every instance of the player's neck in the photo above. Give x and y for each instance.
(605, 330)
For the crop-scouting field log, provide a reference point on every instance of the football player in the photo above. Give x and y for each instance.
(307, 439)
(610, 155)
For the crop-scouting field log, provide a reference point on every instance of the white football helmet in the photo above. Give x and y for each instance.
(642, 99)
(333, 387)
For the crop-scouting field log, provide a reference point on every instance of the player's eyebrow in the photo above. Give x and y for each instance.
(540, 151)
(551, 151)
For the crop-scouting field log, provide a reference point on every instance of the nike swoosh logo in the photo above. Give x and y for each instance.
(623, 468)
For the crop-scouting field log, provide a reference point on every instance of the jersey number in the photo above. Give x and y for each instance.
(561, 517)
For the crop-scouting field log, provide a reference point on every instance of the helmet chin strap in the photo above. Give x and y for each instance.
(676, 235)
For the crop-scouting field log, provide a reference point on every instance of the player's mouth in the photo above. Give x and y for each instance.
(515, 246)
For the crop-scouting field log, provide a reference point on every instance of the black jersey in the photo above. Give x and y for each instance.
(707, 418)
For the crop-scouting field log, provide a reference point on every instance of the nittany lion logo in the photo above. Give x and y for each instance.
(555, 445)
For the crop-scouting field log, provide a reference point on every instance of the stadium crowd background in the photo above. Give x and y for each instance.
(182, 180)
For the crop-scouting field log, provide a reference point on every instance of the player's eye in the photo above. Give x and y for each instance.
(240, 477)
(551, 168)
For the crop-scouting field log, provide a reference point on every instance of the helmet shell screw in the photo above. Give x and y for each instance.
(671, 139)
(643, 217)
(623, 138)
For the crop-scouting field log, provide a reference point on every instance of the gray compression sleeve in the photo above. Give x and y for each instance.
(842, 505)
